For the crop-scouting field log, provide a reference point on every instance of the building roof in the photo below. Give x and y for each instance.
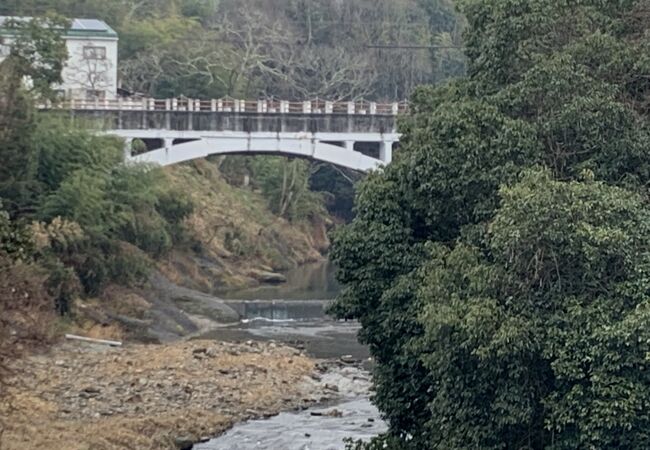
(82, 28)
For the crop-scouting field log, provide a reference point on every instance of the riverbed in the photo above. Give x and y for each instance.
(315, 429)
(294, 313)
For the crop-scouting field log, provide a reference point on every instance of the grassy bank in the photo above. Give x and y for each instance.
(233, 236)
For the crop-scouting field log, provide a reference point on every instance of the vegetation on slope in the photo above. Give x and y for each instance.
(500, 267)
(77, 224)
(240, 231)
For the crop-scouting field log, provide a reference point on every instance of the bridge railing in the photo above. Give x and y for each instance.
(317, 106)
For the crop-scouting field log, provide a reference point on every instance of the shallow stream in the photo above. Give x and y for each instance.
(294, 313)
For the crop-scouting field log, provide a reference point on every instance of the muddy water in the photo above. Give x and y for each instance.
(309, 282)
(294, 313)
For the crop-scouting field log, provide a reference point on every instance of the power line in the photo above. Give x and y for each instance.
(417, 47)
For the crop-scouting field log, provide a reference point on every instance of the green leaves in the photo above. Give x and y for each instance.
(569, 237)
(500, 266)
(39, 52)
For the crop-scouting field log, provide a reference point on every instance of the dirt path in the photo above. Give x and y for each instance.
(150, 396)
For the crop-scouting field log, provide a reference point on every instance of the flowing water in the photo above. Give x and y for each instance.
(294, 313)
(303, 431)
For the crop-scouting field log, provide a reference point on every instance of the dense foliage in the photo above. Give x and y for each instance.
(294, 49)
(500, 266)
(90, 220)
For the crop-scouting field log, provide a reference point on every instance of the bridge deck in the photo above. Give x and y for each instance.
(178, 130)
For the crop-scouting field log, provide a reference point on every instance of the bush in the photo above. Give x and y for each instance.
(130, 204)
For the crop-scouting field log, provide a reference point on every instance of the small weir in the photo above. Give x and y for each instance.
(280, 310)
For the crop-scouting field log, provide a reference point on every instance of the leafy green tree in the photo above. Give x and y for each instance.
(38, 51)
(37, 54)
(506, 308)
(63, 149)
(127, 204)
(531, 346)
(18, 170)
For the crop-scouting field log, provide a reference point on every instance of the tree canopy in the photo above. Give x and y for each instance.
(499, 266)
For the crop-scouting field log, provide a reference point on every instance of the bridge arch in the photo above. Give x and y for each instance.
(307, 145)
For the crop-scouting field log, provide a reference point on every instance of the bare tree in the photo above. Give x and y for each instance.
(91, 69)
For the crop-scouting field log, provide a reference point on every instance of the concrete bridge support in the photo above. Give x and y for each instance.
(386, 151)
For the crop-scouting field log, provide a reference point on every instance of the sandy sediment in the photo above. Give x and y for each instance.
(80, 396)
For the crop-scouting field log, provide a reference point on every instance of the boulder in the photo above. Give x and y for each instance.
(267, 277)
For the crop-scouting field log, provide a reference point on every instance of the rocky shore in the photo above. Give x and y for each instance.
(81, 396)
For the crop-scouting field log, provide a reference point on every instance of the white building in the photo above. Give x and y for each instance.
(91, 69)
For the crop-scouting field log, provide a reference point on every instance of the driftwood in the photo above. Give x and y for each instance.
(93, 341)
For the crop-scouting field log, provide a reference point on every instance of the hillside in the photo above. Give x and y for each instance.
(236, 240)
(232, 240)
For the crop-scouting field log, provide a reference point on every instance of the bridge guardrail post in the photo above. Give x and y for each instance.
(329, 107)
(213, 105)
(284, 106)
(373, 108)
(351, 108)
(361, 108)
(306, 107)
(395, 108)
(168, 104)
(174, 104)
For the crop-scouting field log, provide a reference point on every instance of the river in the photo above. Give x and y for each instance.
(294, 313)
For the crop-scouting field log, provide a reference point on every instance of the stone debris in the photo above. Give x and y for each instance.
(164, 396)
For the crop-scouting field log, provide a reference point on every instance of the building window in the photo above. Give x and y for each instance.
(94, 94)
(94, 52)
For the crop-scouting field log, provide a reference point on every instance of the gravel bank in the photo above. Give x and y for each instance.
(80, 396)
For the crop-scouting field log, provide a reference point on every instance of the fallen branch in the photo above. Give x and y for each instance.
(94, 341)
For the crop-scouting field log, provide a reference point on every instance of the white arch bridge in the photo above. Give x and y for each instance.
(356, 135)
